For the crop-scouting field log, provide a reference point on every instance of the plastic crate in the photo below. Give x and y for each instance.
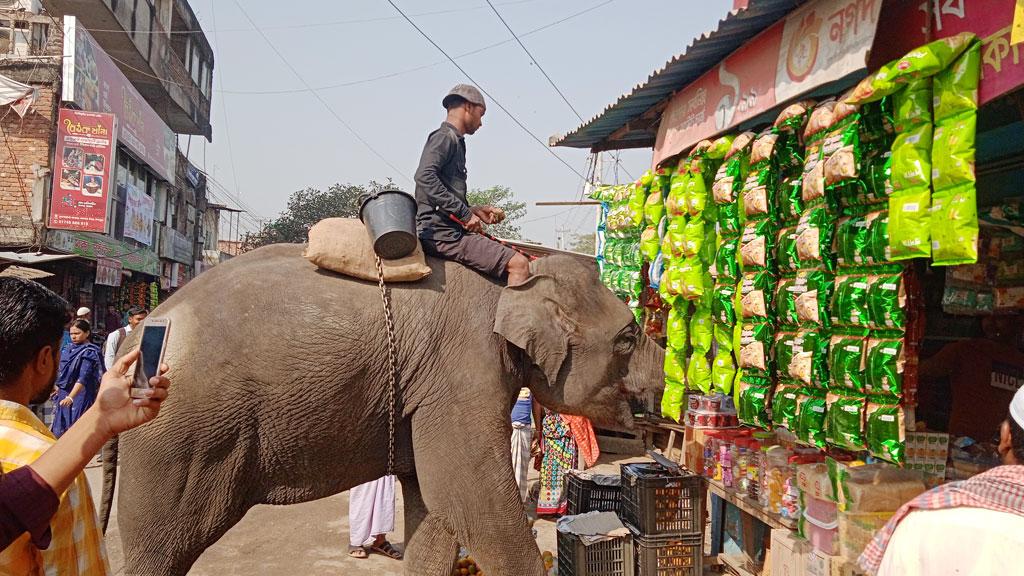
(608, 558)
(656, 502)
(669, 556)
(589, 496)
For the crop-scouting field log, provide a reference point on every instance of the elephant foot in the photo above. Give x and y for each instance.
(431, 550)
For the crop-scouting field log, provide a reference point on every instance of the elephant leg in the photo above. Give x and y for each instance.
(469, 490)
(430, 545)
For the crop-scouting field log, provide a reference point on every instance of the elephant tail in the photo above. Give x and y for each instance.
(109, 480)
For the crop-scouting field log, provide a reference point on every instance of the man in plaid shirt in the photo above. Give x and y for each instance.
(971, 527)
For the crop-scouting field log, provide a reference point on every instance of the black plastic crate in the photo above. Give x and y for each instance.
(608, 558)
(589, 496)
(657, 502)
(669, 555)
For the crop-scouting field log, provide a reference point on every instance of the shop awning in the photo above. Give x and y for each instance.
(30, 258)
(24, 273)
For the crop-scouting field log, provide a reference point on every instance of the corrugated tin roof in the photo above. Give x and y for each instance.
(702, 54)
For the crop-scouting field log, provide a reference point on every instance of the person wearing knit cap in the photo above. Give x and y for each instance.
(974, 526)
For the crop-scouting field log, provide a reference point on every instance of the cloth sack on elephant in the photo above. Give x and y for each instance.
(342, 245)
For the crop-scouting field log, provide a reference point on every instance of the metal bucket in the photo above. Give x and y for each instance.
(390, 217)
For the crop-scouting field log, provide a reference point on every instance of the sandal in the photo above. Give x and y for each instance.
(358, 552)
(386, 549)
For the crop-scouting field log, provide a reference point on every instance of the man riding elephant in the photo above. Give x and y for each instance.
(441, 196)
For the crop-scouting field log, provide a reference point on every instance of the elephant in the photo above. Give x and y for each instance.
(280, 378)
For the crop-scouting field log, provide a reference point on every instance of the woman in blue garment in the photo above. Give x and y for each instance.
(78, 378)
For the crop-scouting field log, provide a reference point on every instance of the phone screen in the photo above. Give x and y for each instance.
(152, 344)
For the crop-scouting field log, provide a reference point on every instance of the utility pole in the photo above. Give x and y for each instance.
(597, 182)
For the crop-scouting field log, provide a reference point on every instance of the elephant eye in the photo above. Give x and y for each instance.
(625, 341)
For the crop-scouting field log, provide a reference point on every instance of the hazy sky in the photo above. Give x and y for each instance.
(271, 136)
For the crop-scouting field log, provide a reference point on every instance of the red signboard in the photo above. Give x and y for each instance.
(81, 179)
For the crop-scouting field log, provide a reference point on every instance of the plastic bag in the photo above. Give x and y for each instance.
(755, 348)
(886, 300)
(886, 432)
(700, 331)
(785, 301)
(814, 238)
(847, 361)
(723, 372)
(954, 226)
(723, 310)
(809, 364)
(885, 363)
(755, 396)
(677, 329)
(909, 230)
(811, 413)
(852, 241)
(912, 158)
(698, 374)
(913, 104)
(786, 250)
(756, 246)
(785, 407)
(844, 426)
(956, 88)
(727, 267)
(756, 295)
(953, 151)
(850, 301)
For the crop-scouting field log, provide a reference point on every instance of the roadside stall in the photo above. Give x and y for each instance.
(828, 245)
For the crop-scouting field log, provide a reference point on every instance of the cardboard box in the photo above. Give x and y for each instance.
(927, 448)
(819, 564)
(788, 553)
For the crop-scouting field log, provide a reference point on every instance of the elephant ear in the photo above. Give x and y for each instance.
(530, 318)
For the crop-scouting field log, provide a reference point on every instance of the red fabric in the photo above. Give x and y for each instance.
(586, 440)
(1000, 489)
(27, 503)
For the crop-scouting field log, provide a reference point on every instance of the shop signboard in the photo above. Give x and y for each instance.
(820, 42)
(175, 246)
(108, 272)
(80, 197)
(94, 82)
(138, 215)
(93, 246)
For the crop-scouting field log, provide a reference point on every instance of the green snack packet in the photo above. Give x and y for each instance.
(953, 151)
(674, 365)
(813, 292)
(844, 426)
(727, 266)
(727, 182)
(846, 362)
(672, 400)
(636, 205)
(913, 104)
(786, 251)
(675, 202)
(954, 226)
(849, 301)
(885, 363)
(698, 374)
(661, 181)
(956, 88)
(877, 177)
(720, 147)
(785, 301)
(693, 278)
(650, 244)
(809, 364)
(700, 331)
(723, 308)
(790, 199)
(811, 414)
(729, 219)
(909, 230)
(886, 300)
(912, 158)
(878, 251)
(723, 371)
(785, 351)
(673, 246)
(755, 349)
(696, 197)
(724, 336)
(886, 431)
(930, 59)
(814, 238)
(654, 209)
(813, 181)
(756, 246)
(693, 233)
(785, 408)
(852, 241)
(755, 292)
(841, 151)
(677, 329)
(755, 395)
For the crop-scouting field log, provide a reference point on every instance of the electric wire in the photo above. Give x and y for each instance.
(224, 112)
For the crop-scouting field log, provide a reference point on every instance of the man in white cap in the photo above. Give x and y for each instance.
(445, 220)
(975, 526)
(83, 314)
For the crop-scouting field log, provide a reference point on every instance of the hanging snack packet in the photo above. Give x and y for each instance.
(693, 278)
(912, 158)
(793, 117)
(878, 237)
(674, 243)
(756, 295)
(654, 209)
(821, 119)
(786, 250)
(847, 361)
(790, 199)
(672, 400)
(698, 374)
(675, 202)
(885, 363)
(913, 104)
(674, 366)
(741, 144)
(700, 331)
(720, 147)
(886, 301)
(650, 244)
(729, 220)
(755, 348)
(693, 234)
(810, 361)
(886, 431)
(851, 243)
(755, 395)
(813, 293)
(810, 426)
(763, 148)
(953, 151)
(727, 267)
(932, 58)
(724, 188)
(723, 310)
(785, 351)
(877, 177)
(909, 230)
(786, 295)
(676, 328)
(814, 238)
(841, 150)
(756, 246)
(814, 173)
(757, 202)
(636, 205)
(784, 407)
(661, 182)
(723, 371)
(956, 88)
(850, 301)
(954, 226)
(696, 193)
(844, 426)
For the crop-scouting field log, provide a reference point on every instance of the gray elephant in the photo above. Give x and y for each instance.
(280, 375)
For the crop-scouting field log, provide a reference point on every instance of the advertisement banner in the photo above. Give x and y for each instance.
(80, 197)
(94, 246)
(175, 246)
(94, 82)
(138, 215)
(108, 272)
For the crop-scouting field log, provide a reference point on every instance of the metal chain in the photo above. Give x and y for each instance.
(392, 364)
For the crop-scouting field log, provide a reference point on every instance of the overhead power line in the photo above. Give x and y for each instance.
(224, 110)
(534, 60)
(321, 98)
(482, 89)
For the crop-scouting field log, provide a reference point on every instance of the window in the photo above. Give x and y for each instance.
(5, 37)
(40, 34)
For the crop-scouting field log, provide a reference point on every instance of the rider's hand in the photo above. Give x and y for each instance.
(475, 224)
(489, 214)
(117, 410)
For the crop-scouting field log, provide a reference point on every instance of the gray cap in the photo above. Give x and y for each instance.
(466, 92)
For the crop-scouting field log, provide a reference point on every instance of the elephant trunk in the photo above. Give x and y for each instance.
(646, 378)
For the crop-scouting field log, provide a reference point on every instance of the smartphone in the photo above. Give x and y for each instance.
(154, 343)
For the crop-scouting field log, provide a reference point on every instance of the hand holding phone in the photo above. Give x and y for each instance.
(151, 353)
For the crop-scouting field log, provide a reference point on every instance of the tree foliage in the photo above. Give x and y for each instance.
(583, 243)
(501, 197)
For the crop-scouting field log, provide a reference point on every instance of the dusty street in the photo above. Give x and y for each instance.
(304, 539)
